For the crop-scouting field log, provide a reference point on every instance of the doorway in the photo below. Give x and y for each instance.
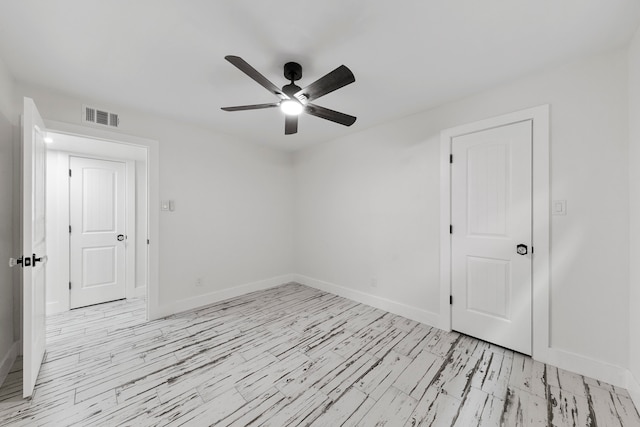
(98, 230)
(491, 235)
(494, 241)
(96, 222)
(34, 220)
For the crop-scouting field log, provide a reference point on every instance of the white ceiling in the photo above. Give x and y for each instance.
(167, 56)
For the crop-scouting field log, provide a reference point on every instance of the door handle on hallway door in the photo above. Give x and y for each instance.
(120, 237)
(522, 249)
(42, 259)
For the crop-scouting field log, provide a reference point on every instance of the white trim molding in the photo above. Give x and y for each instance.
(8, 360)
(220, 295)
(540, 210)
(140, 292)
(410, 312)
(587, 366)
(633, 387)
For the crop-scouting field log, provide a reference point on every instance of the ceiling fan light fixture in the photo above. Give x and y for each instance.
(291, 107)
(295, 100)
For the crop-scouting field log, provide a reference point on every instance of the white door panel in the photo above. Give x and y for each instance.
(491, 215)
(33, 244)
(97, 218)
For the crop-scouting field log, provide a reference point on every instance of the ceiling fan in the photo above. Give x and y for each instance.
(293, 99)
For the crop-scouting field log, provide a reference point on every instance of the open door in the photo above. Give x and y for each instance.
(34, 247)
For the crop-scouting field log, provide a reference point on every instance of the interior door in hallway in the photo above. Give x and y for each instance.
(34, 245)
(491, 271)
(97, 225)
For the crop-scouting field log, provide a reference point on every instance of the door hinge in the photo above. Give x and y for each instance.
(450, 299)
(69, 172)
(531, 249)
(69, 229)
(450, 229)
(450, 158)
(147, 241)
(69, 285)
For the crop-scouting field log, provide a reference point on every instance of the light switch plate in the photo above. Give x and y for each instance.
(165, 205)
(559, 207)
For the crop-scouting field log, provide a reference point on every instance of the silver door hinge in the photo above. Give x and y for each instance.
(69, 229)
(450, 158)
(69, 285)
(450, 229)
(450, 299)
(69, 172)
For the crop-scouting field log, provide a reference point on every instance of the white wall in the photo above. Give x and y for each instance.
(232, 224)
(634, 193)
(7, 122)
(366, 206)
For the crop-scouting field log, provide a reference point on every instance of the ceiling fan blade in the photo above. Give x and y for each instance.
(336, 79)
(251, 107)
(290, 125)
(325, 113)
(243, 66)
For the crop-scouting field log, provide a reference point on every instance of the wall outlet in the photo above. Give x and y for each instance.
(199, 281)
(374, 282)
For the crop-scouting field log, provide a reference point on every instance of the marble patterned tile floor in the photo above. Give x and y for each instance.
(289, 356)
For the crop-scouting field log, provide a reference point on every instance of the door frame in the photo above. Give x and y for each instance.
(152, 148)
(540, 218)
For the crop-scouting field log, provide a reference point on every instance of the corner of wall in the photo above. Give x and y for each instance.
(8, 360)
(633, 387)
(414, 313)
(633, 383)
(217, 296)
(9, 215)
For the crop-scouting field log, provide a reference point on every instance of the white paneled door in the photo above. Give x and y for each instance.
(34, 246)
(491, 235)
(98, 237)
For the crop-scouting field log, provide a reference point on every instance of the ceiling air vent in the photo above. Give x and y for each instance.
(99, 117)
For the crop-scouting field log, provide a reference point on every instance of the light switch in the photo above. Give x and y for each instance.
(559, 207)
(165, 205)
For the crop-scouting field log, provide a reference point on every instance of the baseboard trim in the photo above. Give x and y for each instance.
(8, 360)
(55, 308)
(633, 387)
(410, 312)
(140, 292)
(586, 366)
(220, 295)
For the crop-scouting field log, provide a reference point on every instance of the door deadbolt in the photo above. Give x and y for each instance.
(120, 237)
(522, 249)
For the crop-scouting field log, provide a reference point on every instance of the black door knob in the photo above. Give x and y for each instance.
(120, 237)
(522, 249)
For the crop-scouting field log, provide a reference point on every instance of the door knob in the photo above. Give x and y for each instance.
(43, 259)
(522, 249)
(13, 262)
(120, 237)
(22, 261)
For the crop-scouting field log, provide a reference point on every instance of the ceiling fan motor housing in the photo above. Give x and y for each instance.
(292, 71)
(290, 89)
